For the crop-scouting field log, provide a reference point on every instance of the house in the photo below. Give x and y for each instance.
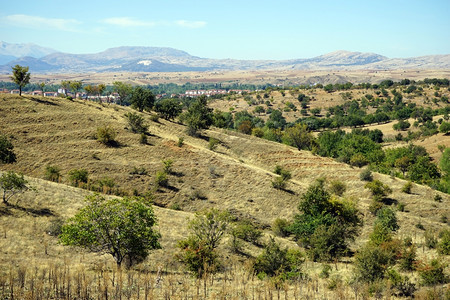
(50, 94)
(15, 91)
(36, 93)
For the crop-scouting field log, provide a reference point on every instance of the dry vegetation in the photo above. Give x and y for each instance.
(236, 176)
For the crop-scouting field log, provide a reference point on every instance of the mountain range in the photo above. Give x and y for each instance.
(163, 59)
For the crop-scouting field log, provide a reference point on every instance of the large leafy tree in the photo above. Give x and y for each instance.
(75, 86)
(142, 98)
(325, 224)
(20, 76)
(169, 109)
(122, 227)
(124, 90)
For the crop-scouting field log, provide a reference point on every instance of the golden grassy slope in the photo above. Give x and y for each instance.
(236, 176)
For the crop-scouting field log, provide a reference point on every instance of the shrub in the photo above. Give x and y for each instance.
(430, 239)
(358, 160)
(154, 118)
(106, 184)
(7, 154)
(407, 187)
(78, 176)
(443, 247)
(258, 132)
(143, 139)
(370, 264)
(366, 175)
(279, 183)
(281, 227)
(378, 189)
(180, 142)
(213, 143)
(275, 260)
(106, 135)
(12, 184)
(337, 187)
(246, 231)
(54, 228)
(52, 173)
(168, 163)
(136, 122)
(433, 273)
(161, 179)
(139, 171)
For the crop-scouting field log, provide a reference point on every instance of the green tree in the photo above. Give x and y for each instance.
(12, 184)
(123, 228)
(124, 90)
(65, 84)
(298, 136)
(136, 122)
(445, 127)
(197, 251)
(142, 98)
(75, 86)
(444, 164)
(20, 76)
(378, 189)
(7, 154)
(198, 116)
(325, 225)
(169, 109)
(78, 176)
(371, 263)
(41, 87)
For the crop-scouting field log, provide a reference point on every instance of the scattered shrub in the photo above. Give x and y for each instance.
(337, 187)
(371, 264)
(281, 227)
(443, 247)
(438, 198)
(106, 135)
(136, 122)
(180, 142)
(430, 239)
(407, 187)
(139, 171)
(213, 143)
(143, 139)
(246, 231)
(433, 273)
(161, 179)
(366, 175)
(52, 173)
(78, 176)
(378, 189)
(168, 163)
(154, 118)
(7, 154)
(54, 228)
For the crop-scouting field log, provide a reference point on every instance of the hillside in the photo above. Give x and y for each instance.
(164, 59)
(236, 177)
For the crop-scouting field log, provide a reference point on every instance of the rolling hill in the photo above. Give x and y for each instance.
(236, 176)
(163, 59)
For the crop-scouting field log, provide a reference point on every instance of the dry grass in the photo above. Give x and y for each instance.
(236, 176)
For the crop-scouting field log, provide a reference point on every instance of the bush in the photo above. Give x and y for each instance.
(443, 246)
(136, 122)
(281, 227)
(143, 139)
(168, 163)
(52, 173)
(358, 160)
(7, 155)
(78, 176)
(180, 142)
(246, 231)
(430, 239)
(337, 187)
(213, 143)
(275, 261)
(370, 264)
(378, 189)
(407, 187)
(366, 175)
(433, 273)
(106, 135)
(161, 179)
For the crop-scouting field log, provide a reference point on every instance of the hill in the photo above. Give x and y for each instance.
(163, 59)
(236, 176)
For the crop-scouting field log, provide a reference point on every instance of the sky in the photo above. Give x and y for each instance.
(244, 29)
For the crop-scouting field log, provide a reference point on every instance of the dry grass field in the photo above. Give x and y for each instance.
(236, 176)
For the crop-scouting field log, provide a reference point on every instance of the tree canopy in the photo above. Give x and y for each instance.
(20, 76)
(123, 228)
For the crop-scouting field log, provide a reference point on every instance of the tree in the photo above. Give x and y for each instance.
(136, 122)
(169, 109)
(124, 90)
(142, 98)
(298, 136)
(12, 184)
(445, 128)
(20, 76)
(198, 249)
(325, 225)
(122, 227)
(444, 164)
(75, 86)
(198, 116)
(42, 86)
(378, 189)
(65, 84)
(7, 155)
(403, 164)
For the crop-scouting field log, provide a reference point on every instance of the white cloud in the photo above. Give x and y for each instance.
(128, 22)
(40, 22)
(190, 24)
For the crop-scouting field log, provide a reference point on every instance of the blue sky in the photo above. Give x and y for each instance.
(233, 29)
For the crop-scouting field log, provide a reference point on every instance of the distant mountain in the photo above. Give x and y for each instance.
(9, 52)
(161, 59)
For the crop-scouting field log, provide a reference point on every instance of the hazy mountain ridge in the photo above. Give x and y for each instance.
(164, 59)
